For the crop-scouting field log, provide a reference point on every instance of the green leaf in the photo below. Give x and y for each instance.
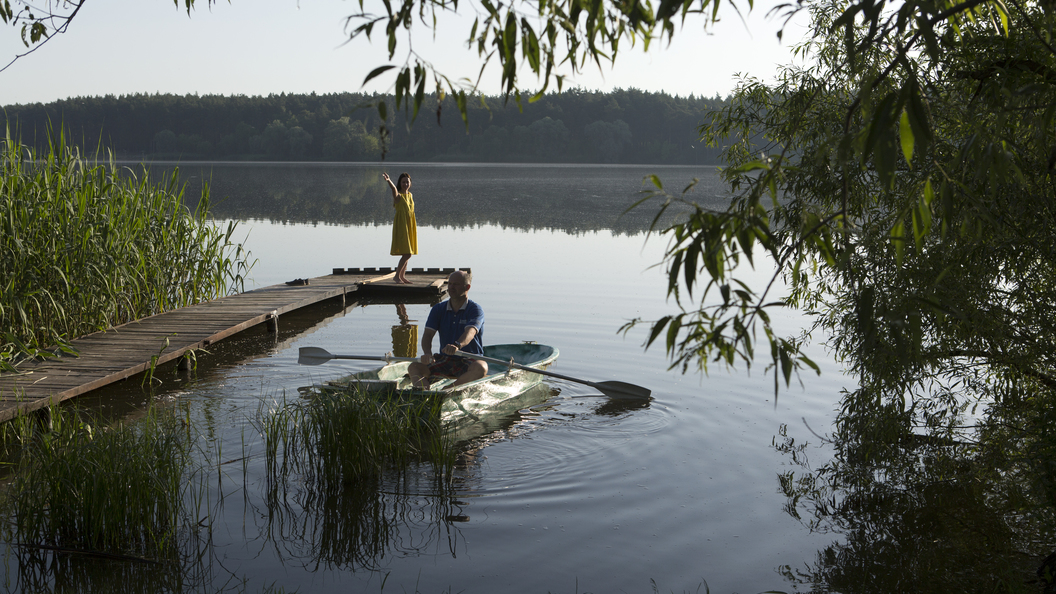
(419, 93)
(810, 363)
(376, 72)
(905, 131)
(918, 229)
(756, 165)
(403, 85)
(1002, 12)
(786, 363)
(898, 240)
(657, 328)
(673, 326)
(530, 46)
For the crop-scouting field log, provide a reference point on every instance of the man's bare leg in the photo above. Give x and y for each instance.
(477, 370)
(419, 374)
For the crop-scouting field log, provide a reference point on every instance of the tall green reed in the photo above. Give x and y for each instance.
(85, 246)
(335, 440)
(117, 489)
(342, 468)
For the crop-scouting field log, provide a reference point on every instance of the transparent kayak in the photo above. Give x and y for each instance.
(468, 402)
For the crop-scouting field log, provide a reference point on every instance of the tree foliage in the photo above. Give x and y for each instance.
(621, 126)
(553, 38)
(902, 183)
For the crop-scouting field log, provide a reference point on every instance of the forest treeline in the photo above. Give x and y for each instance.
(623, 126)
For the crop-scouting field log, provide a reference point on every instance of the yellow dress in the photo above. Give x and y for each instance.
(404, 227)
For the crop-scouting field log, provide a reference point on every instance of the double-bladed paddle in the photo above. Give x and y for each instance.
(612, 389)
(318, 356)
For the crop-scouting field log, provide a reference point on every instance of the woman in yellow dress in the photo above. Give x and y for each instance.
(404, 227)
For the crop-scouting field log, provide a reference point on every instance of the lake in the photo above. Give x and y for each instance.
(575, 493)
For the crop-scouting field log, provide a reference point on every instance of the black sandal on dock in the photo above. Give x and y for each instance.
(297, 282)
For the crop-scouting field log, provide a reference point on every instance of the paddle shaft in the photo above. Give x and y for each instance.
(318, 356)
(604, 387)
(370, 358)
(524, 367)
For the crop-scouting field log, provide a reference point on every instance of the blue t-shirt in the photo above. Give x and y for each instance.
(451, 324)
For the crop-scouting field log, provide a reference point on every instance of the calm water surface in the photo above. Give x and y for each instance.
(573, 494)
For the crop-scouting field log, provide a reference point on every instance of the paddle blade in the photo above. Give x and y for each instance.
(313, 356)
(622, 390)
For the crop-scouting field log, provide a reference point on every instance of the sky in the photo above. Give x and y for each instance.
(260, 47)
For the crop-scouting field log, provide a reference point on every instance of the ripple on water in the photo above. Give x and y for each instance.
(557, 447)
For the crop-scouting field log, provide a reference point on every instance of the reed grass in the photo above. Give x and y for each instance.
(117, 490)
(335, 440)
(86, 245)
(342, 468)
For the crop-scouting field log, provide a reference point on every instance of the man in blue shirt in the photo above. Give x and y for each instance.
(460, 323)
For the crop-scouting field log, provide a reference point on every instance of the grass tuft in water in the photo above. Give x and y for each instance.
(341, 469)
(117, 490)
(336, 440)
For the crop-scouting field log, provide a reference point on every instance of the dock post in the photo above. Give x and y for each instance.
(273, 321)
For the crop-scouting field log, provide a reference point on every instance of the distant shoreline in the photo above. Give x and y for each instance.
(621, 127)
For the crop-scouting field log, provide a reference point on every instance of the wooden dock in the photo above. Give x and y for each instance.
(136, 347)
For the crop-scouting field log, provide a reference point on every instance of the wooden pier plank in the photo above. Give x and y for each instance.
(126, 350)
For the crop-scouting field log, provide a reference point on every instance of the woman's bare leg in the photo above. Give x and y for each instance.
(401, 269)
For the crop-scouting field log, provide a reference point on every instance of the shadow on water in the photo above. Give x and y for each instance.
(574, 199)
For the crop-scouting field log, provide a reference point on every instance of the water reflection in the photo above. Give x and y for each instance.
(570, 198)
(404, 334)
(185, 566)
(359, 526)
(41, 571)
(615, 407)
(915, 514)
